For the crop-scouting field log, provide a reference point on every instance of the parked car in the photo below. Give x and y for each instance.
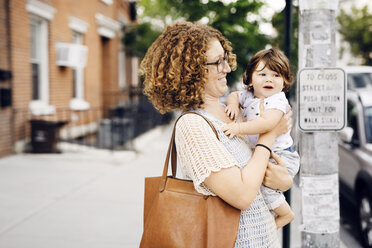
(355, 152)
(358, 76)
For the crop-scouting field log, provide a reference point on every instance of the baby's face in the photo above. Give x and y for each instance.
(266, 82)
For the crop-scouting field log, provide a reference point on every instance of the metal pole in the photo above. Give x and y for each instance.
(288, 29)
(287, 51)
(318, 150)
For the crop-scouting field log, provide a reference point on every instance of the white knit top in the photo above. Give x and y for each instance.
(199, 153)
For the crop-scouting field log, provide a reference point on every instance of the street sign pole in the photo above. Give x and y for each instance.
(318, 145)
(287, 50)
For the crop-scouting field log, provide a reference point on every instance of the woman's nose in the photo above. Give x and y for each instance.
(227, 68)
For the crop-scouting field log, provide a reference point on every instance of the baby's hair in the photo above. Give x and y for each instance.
(276, 61)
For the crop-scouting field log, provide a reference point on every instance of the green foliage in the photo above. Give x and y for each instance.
(230, 19)
(356, 29)
(138, 38)
(278, 23)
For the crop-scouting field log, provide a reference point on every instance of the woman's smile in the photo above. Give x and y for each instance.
(223, 79)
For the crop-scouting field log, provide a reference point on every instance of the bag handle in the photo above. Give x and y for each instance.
(172, 150)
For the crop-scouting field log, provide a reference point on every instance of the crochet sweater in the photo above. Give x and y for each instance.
(199, 153)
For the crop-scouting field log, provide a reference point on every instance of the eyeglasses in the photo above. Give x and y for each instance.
(220, 63)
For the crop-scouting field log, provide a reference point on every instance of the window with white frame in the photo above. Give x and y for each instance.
(36, 65)
(39, 67)
(121, 63)
(78, 72)
(79, 28)
(40, 14)
(135, 81)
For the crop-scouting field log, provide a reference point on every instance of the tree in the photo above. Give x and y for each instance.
(278, 41)
(238, 21)
(356, 29)
(138, 38)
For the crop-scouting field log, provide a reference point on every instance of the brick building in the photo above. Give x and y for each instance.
(62, 61)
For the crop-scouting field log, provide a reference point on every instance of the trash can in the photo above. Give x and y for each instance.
(45, 135)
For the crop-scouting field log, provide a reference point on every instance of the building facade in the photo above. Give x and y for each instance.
(62, 61)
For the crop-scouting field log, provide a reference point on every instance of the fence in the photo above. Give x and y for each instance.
(127, 122)
(111, 128)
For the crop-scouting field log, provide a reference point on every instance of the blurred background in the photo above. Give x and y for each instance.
(69, 68)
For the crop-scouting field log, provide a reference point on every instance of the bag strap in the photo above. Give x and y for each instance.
(172, 150)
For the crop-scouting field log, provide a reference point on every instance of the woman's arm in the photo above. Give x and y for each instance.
(239, 187)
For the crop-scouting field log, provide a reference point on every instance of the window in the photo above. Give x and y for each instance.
(79, 27)
(135, 62)
(368, 123)
(40, 14)
(352, 115)
(359, 80)
(122, 65)
(35, 59)
(78, 78)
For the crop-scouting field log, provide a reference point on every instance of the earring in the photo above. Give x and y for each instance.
(250, 88)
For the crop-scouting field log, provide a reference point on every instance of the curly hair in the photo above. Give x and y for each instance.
(174, 66)
(276, 61)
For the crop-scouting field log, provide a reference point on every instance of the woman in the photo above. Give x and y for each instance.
(185, 69)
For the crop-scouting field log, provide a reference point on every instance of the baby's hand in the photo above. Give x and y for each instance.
(232, 111)
(231, 130)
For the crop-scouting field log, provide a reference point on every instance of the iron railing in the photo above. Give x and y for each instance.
(109, 128)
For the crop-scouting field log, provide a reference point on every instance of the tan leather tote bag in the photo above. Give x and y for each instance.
(176, 216)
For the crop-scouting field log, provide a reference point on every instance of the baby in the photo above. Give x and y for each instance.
(263, 104)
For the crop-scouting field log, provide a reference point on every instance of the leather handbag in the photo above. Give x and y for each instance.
(177, 216)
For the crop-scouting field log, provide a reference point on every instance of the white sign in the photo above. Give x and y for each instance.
(318, 4)
(321, 99)
(320, 208)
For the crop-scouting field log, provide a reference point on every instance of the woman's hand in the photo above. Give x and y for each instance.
(277, 176)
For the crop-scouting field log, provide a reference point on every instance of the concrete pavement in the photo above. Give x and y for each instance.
(80, 198)
(84, 197)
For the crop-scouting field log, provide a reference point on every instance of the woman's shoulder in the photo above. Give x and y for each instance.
(194, 123)
(191, 118)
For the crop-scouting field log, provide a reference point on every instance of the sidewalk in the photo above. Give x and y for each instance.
(84, 198)
(77, 199)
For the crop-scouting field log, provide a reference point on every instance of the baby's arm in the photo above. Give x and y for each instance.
(232, 108)
(262, 124)
(285, 215)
